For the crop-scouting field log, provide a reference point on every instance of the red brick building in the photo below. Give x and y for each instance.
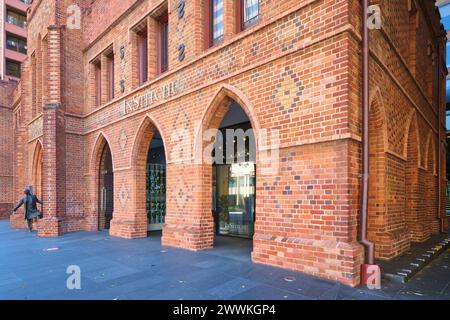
(113, 128)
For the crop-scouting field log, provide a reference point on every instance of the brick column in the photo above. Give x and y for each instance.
(290, 197)
(189, 220)
(152, 45)
(129, 217)
(230, 22)
(53, 182)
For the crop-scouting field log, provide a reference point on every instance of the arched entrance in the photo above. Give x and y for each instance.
(37, 170)
(156, 184)
(229, 165)
(234, 175)
(106, 189)
(149, 163)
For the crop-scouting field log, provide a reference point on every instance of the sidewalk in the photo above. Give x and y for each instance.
(113, 268)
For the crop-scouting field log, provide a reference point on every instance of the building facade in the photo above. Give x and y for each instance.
(9, 93)
(124, 106)
(13, 37)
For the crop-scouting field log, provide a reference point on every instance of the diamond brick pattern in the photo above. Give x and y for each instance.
(296, 70)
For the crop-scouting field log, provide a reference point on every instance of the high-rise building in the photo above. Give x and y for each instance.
(13, 37)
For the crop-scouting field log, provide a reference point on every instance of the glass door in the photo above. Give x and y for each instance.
(156, 196)
(234, 199)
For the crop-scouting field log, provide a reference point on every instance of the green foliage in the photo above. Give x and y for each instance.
(223, 208)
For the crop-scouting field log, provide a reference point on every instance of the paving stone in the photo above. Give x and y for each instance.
(119, 269)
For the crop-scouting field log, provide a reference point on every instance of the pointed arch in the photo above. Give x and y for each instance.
(97, 151)
(37, 168)
(145, 134)
(412, 132)
(211, 117)
(377, 114)
(378, 213)
(414, 204)
(224, 98)
(148, 125)
(101, 145)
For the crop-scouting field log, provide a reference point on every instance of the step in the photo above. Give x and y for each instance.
(403, 268)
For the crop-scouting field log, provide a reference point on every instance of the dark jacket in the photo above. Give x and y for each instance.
(30, 201)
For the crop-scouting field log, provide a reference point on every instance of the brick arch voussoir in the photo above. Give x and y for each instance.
(100, 142)
(215, 112)
(142, 140)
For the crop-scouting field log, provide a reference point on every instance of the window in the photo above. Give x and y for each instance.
(249, 13)
(13, 68)
(216, 21)
(110, 60)
(98, 83)
(16, 44)
(163, 43)
(142, 45)
(27, 1)
(447, 117)
(16, 18)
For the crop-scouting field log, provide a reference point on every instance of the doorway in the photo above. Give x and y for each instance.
(106, 190)
(234, 176)
(156, 184)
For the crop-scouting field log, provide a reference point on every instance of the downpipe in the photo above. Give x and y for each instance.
(370, 273)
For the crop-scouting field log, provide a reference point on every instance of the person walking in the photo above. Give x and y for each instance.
(30, 201)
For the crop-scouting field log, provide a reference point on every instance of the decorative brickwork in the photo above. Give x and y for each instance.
(296, 74)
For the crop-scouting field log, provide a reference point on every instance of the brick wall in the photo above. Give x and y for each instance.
(404, 126)
(6, 148)
(296, 73)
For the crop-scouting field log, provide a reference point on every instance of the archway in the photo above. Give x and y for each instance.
(378, 213)
(227, 144)
(149, 165)
(37, 170)
(105, 189)
(156, 184)
(234, 175)
(413, 202)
